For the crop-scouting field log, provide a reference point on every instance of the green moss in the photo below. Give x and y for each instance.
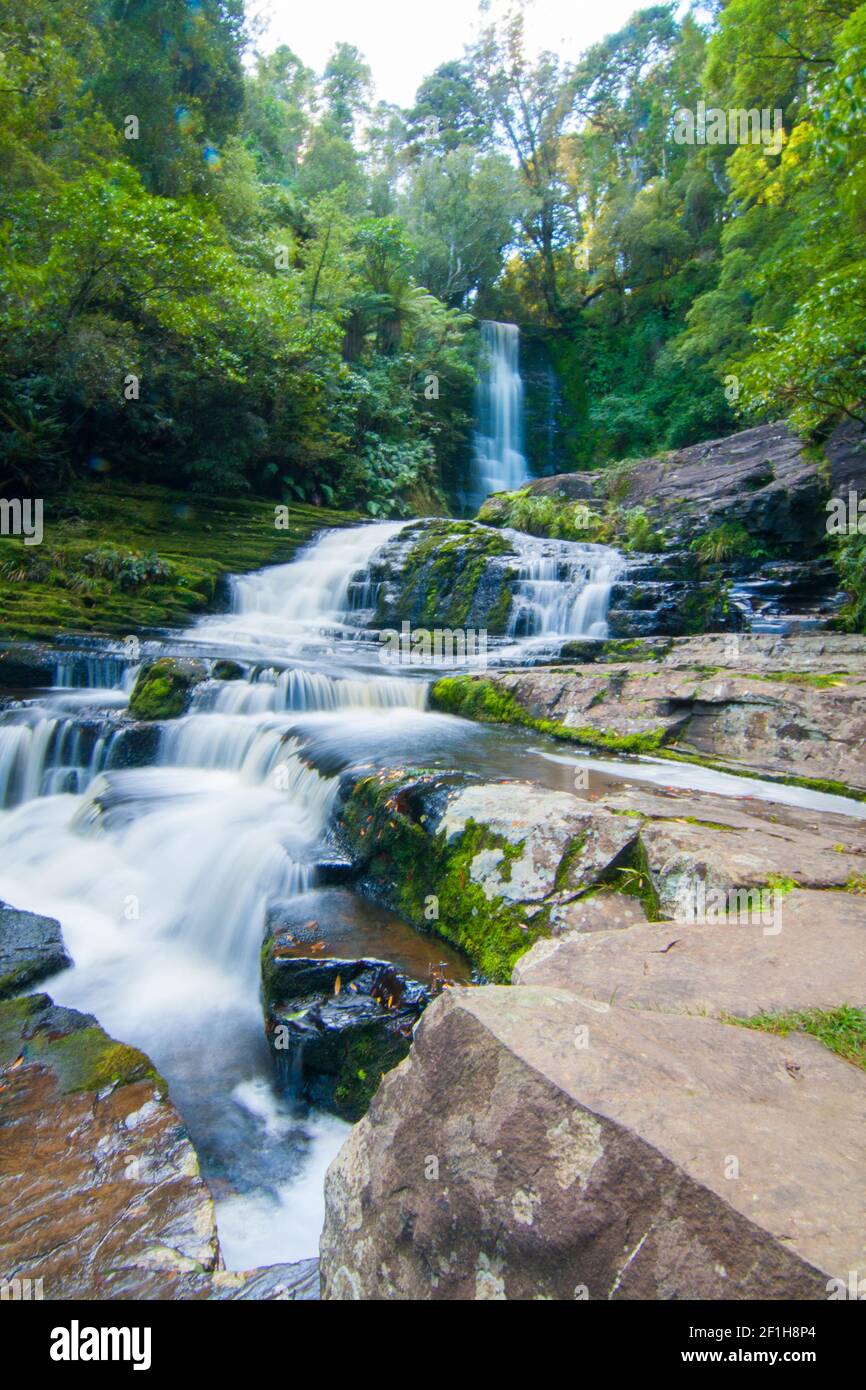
(827, 681)
(122, 557)
(630, 874)
(569, 858)
(82, 1059)
(366, 1059)
(478, 698)
(161, 690)
(842, 1030)
(411, 867)
(441, 577)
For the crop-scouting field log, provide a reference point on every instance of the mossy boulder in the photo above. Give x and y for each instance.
(447, 574)
(164, 687)
(484, 865)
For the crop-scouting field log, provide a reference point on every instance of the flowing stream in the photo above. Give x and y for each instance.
(161, 859)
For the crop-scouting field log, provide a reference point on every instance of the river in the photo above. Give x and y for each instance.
(162, 874)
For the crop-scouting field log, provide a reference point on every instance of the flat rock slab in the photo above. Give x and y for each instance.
(31, 948)
(538, 1145)
(815, 960)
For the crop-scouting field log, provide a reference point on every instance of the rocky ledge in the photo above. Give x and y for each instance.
(793, 709)
(667, 1101)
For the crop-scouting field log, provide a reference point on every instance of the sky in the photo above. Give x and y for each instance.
(404, 40)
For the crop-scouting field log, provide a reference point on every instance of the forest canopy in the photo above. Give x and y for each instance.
(222, 269)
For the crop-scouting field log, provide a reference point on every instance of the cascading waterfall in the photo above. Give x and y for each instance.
(498, 464)
(563, 589)
(162, 875)
(328, 588)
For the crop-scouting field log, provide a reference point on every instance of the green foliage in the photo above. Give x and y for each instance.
(851, 563)
(207, 298)
(639, 533)
(120, 557)
(730, 541)
(243, 294)
(842, 1030)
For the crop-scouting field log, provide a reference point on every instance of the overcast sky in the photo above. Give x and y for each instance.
(404, 40)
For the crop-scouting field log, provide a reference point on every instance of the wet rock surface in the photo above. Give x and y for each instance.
(100, 1191)
(31, 949)
(336, 1019)
(101, 1194)
(738, 524)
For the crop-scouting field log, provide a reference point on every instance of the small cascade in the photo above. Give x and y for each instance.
(42, 754)
(563, 589)
(328, 587)
(303, 691)
(89, 671)
(498, 462)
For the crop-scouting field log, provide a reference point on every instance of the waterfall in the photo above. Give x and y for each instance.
(498, 463)
(562, 589)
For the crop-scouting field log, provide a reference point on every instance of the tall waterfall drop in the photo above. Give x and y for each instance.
(498, 463)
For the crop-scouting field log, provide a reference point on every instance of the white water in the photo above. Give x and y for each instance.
(322, 594)
(498, 461)
(162, 875)
(563, 588)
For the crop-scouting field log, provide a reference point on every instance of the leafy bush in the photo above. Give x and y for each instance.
(639, 533)
(730, 541)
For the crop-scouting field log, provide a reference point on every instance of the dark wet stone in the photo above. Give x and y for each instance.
(31, 948)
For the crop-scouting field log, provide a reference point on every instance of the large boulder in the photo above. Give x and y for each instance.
(536, 1144)
(31, 949)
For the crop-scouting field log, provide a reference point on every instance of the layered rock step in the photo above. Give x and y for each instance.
(806, 952)
(537, 1144)
(793, 710)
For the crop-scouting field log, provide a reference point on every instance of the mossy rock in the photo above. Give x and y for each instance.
(72, 1045)
(227, 671)
(164, 687)
(454, 575)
